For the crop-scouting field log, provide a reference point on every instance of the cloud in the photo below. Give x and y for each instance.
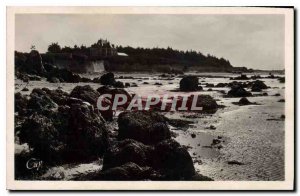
(254, 41)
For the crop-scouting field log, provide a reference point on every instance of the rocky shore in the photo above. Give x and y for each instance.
(58, 125)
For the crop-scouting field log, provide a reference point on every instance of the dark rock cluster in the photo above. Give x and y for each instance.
(145, 151)
(59, 128)
(64, 128)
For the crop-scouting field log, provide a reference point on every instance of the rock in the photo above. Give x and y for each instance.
(235, 163)
(113, 92)
(212, 127)
(281, 100)
(86, 93)
(210, 85)
(21, 102)
(49, 67)
(189, 83)
(199, 177)
(108, 79)
(173, 160)
(205, 101)
(145, 126)
(20, 60)
(209, 89)
(40, 102)
(87, 134)
(258, 85)
(119, 84)
(34, 63)
(22, 76)
(53, 80)
(127, 84)
(193, 135)
(134, 85)
(255, 77)
(41, 135)
(58, 96)
(129, 171)
(86, 80)
(127, 150)
(221, 85)
(25, 89)
(145, 82)
(63, 75)
(244, 101)
(216, 141)
(281, 80)
(179, 123)
(34, 77)
(277, 94)
(242, 77)
(238, 91)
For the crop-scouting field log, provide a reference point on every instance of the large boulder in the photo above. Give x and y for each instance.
(258, 85)
(173, 160)
(127, 150)
(145, 126)
(87, 134)
(86, 93)
(42, 136)
(70, 133)
(189, 83)
(238, 91)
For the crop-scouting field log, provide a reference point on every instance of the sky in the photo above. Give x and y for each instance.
(253, 41)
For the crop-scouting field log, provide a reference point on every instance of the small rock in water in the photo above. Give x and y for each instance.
(235, 163)
(281, 100)
(157, 83)
(244, 101)
(193, 135)
(216, 141)
(212, 127)
(25, 89)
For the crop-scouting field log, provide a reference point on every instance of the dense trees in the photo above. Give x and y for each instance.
(54, 48)
(140, 57)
